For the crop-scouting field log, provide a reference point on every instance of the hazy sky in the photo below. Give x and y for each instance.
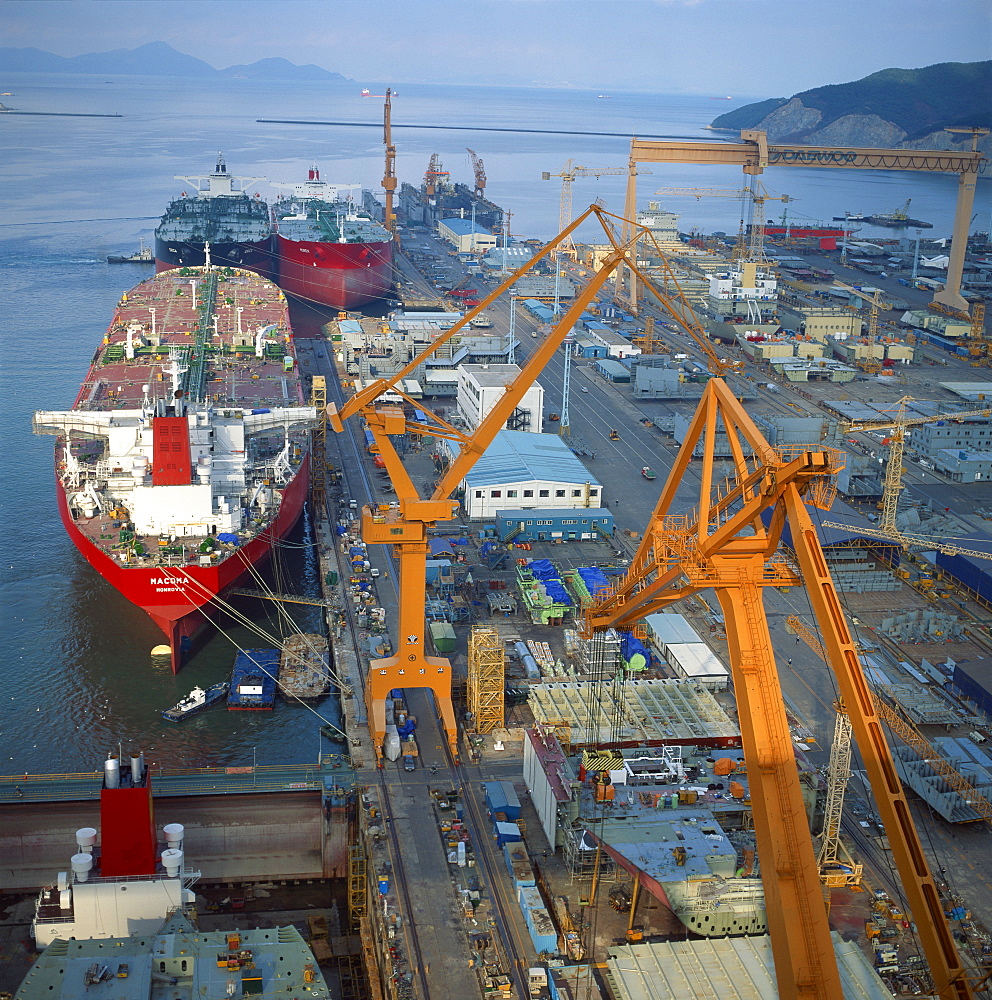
(757, 47)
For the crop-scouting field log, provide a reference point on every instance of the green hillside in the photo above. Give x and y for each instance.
(917, 100)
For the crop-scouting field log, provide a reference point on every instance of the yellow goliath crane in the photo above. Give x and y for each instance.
(724, 544)
(752, 228)
(480, 173)
(568, 173)
(873, 302)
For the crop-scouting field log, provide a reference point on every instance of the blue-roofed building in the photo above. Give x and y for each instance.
(465, 235)
(526, 471)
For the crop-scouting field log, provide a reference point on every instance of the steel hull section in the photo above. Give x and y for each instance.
(180, 599)
(340, 275)
(251, 256)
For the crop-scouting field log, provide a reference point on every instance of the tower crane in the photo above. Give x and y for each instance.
(568, 173)
(873, 302)
(725, 544)
(753, 226)
(480, 173)
(389, 176)
(892, 483)
(908, 733)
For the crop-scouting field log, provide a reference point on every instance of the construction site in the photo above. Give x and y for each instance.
(714, 728)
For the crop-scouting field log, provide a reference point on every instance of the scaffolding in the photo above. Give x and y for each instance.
(486, 678)
(318, 443)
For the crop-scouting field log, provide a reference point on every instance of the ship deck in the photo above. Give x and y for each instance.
(208, 320)
(325, 222)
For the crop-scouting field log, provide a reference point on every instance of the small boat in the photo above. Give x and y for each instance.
(850, 217)
(195, 701)
(333, 734)
(143, 255)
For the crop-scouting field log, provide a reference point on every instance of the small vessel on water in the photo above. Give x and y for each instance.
(197, 700)
(143, 255)
(254, 680)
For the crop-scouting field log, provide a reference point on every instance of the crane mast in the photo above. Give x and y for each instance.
(389, 175)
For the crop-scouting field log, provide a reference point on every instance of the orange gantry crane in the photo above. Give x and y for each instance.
(726, 545)
(731, 543)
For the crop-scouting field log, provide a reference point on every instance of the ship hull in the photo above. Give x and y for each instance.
(339, 275)
(250, 256)
(180, 600)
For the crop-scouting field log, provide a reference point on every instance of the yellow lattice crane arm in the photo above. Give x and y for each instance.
(892, 483)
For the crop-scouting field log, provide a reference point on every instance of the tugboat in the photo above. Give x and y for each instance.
(195, 701)
(143, 255)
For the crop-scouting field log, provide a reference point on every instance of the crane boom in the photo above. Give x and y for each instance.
(389, 175)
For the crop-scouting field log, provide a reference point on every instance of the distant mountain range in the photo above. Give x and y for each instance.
(908, 108)
(155, 59)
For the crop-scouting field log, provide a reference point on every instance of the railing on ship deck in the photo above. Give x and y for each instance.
(185, 781)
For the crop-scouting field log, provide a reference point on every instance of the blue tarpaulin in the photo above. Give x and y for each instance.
(594, 579)
(544, 571)
(633, 651)
(226, 536)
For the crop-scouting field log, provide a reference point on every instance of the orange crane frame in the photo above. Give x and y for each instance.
(405, 525)
(725, 545)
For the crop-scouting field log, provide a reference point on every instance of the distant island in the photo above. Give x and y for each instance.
(898, 108)
(156, 59)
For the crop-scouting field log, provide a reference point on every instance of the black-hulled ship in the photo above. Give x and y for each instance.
(220, 224)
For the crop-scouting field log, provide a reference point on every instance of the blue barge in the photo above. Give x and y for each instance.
(253, 680)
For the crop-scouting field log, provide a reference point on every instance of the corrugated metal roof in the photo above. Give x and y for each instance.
(519, 456)
(666, 628)
(731, 968)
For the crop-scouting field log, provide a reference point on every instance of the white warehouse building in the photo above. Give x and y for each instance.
(521, 471)
(480, 387)
(465, 235)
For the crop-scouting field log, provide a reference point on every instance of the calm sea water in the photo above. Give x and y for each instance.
(78, 681)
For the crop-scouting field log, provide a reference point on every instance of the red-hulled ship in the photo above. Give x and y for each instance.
(327, 248)
(185, 456)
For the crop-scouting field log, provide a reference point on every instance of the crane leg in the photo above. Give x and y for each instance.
(805, 964)
(409, 666)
